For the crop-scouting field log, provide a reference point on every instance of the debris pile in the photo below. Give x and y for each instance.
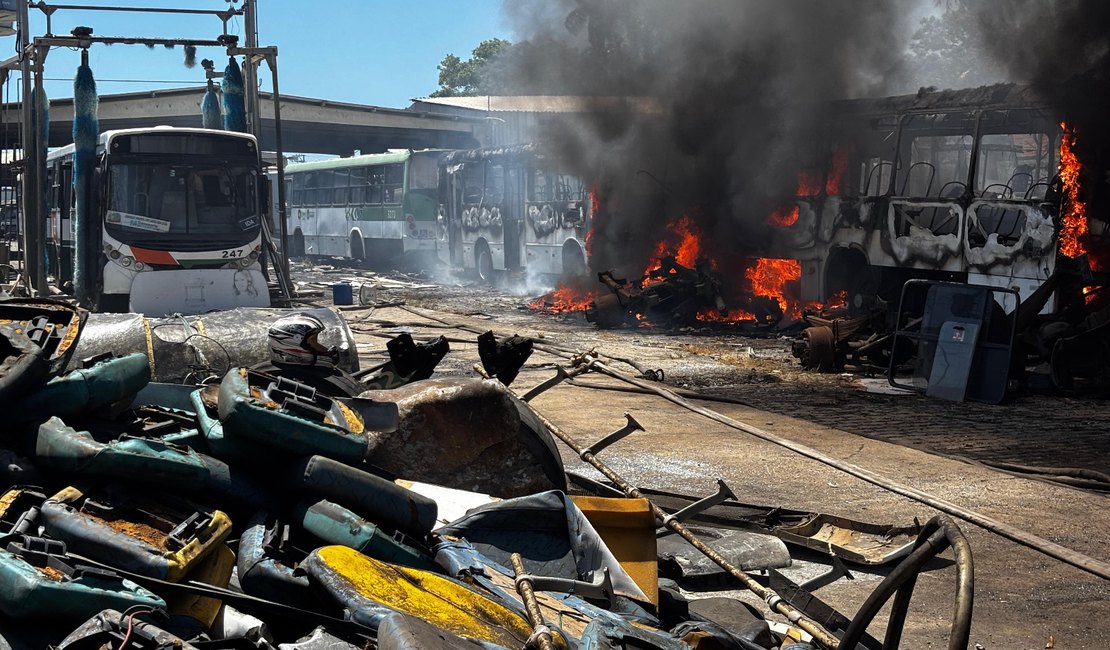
(392, 509)
(1009, 341)
(671, 294)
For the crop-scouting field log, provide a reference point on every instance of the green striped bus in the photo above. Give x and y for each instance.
(380, 207)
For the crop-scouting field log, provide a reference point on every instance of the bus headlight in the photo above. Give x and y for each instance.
(139, 266)
(253, 256)
(113, 254)
(126, 261)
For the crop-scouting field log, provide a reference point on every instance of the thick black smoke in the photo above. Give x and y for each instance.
(1062, 48)
(721, 99)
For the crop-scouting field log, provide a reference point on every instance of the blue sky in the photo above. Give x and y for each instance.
(381, 52)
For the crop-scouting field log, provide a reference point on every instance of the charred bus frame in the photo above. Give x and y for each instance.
(961, 186)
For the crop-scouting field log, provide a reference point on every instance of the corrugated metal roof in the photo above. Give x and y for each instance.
(545, 103)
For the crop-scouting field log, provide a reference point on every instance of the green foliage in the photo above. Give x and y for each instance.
(484, 73)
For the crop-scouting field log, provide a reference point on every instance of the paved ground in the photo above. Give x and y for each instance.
(1023, 598)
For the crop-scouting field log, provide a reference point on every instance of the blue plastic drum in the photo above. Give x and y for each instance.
(342, 294)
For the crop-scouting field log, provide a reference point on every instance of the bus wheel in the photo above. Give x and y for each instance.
(574, 261)
(483, 262)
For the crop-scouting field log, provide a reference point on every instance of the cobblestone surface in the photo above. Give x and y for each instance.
(1033, 431)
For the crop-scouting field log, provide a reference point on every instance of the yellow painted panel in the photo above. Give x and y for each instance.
(425, 595)
(627, 526)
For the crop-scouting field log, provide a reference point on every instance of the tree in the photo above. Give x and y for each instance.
(482, 74)
(947, 50)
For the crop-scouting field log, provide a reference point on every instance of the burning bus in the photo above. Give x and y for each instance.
(511, 208)
(976, 186)
(991, 187)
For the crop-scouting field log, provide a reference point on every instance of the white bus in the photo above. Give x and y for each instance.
(380, 208)
(177, 221)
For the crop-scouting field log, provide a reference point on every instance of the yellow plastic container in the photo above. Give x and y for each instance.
(627, 526)
(353, 579)
(136, 540)
(215, 570)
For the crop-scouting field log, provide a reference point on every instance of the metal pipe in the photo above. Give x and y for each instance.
(85, 41)
(28, 184)
(45, 8)
(250, 70)
(540, 633)
(38, 266)
(282, 211)
(773, 600)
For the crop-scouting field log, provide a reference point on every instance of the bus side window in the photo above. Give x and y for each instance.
(377, 183)
(325, 181)
(472, 182)
(357, 193)
(296, 189)
(394, 180)
(494, 191)
(874, 177)
(538, 187)
(342, 179)
(310, 188)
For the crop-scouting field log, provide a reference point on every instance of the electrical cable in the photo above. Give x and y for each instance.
(131, 624)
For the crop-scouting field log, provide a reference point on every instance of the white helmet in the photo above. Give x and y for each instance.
(293, 340)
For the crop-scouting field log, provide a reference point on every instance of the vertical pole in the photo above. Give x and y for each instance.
(39, 217)
(26, 137)
(271, 60)
(250, 71)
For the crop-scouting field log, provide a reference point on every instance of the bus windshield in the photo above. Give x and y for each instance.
(209, 204)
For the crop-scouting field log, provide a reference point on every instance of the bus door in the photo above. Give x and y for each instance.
(514, 215)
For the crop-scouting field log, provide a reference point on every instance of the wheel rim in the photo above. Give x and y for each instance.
(485, 265)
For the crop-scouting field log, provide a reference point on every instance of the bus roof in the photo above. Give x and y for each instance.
(106, 137)
(366, 160)
(998, 96)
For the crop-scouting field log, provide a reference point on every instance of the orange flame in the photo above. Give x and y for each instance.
(808, 184)
(595, 210)
(1073, 221)
(563, 299)
(784, 216)
(713, 316)
(689, 247)
(769, 277)
(836, 301)
(837, 169)
(684, 239)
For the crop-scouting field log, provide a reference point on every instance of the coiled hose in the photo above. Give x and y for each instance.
(937, 535)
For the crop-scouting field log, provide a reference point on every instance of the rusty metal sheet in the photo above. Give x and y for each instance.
(467, 434)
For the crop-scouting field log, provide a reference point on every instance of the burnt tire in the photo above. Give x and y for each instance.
(820, 349)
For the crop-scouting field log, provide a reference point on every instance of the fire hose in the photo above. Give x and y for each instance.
(938, 534)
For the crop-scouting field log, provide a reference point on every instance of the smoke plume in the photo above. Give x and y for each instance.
(718, 102)
(1062, 48)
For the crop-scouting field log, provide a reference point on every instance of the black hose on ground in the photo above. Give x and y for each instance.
(937, 535)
